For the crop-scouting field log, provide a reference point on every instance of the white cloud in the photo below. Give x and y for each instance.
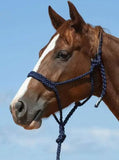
(78, 139)
(93, 139)
(22, 138)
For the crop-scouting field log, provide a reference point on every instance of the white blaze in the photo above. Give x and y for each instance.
(49, 48)
(24, 86)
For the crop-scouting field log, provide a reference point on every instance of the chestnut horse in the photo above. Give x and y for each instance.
(67, 55)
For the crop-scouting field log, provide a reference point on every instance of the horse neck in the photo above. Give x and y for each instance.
(110, 58)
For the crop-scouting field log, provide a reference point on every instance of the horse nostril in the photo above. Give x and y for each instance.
(20, 109)
(19, 106)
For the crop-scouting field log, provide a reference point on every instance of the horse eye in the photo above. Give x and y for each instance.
(63, 55)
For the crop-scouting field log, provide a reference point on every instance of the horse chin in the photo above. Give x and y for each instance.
(33, 125)
(36, 122)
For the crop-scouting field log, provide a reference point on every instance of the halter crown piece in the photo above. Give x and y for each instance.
(95, 62)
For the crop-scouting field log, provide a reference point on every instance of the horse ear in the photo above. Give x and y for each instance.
(56, 19)
(77, 20)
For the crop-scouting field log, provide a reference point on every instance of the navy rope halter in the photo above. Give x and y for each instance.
(95, 62)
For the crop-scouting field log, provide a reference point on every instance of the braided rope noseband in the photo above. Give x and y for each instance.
(97, 61)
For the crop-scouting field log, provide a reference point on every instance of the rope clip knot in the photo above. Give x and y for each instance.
(61, 136)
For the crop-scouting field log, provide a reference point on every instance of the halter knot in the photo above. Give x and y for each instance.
(96, 61)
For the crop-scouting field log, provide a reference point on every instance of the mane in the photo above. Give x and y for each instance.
(111, 37)
(108, 35)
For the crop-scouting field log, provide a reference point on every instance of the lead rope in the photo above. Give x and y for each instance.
(62, 123)
(97, 61)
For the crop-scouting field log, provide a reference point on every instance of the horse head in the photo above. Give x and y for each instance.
(67, 55)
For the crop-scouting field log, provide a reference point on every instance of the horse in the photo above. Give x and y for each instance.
(68, 55)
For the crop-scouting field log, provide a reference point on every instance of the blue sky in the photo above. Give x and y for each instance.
(25, 28)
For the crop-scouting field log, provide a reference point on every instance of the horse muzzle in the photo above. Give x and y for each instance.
(25, 117)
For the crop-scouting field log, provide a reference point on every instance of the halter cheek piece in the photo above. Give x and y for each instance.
(96, 62)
